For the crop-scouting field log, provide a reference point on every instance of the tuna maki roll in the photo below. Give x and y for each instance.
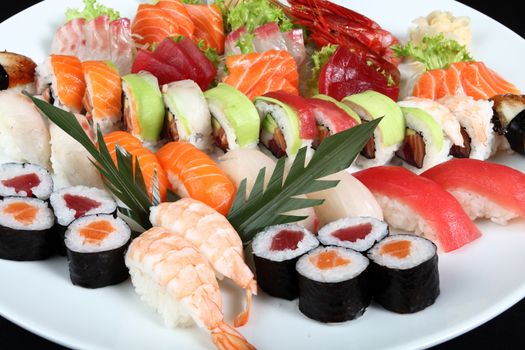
(25, 180)
(358, 233)
(275, 253)
(24, 229)
(96, 245)
(333, 285)
(404, 271)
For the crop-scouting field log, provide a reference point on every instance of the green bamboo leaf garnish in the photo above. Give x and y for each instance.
(266, 207)
(124, 180)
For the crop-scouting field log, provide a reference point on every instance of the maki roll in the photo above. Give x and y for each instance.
(103, 97)
(389, 134)
(275, 253)
(333, 285)
(143, 106)
(509, 120)
(24, 229)
(187, 115)
(96, 245)
(425, 144)
(404, 271)
(288, 123)
(234, 119)
(17, 72)
(25, 180)
(73, 202)
(358, 233)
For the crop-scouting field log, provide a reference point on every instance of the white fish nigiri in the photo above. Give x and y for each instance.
(241, 164)
(348, 199)
(24, 136)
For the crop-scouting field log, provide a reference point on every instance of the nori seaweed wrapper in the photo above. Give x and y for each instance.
(277, 278)
(406, 291)
(98, 269)
(24, 245)
(334, 302)
(57, 236)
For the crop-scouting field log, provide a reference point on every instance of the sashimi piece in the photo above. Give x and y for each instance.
(498, 83)
(70, 38)
(209, 25)
(294, 40)
(165, 73)
(429, 83)
(453, 79)
(230, 43)
(98, 38)
(255, 74)
(268, 37)
(171, 53)
(152, 24)
(179, 13)
(122, 48)
(208, 70)
(414, 203)
(484, 189)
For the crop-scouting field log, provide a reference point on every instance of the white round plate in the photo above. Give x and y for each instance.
(478, 281)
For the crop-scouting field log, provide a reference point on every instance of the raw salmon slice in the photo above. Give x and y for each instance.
(152, 24)
(208, 25)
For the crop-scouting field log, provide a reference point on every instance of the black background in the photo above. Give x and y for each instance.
(505, 331)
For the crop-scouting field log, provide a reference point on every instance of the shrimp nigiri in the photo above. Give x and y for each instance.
(214, 236)
(172, 276)
(192, 173)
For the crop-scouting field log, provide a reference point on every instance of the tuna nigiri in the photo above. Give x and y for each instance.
(192, 173)
(255, 74)
(414, 203)
(484, 190)
(208, 25)
(463, 78)
(148, 162)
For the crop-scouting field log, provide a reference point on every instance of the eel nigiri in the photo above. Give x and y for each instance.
(192, 173)
(148, 162)
(17, 72)
(417, 204)
(214, 236)
(255, 74)
(103, 96)
(208, 25)
(484, 189)
(171, 274)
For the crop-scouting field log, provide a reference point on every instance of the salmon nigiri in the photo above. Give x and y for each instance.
(148, 162)
(103, 96)
(255, 74)
(192, 173)
(414, 203)
(208, 25)
(463, 78)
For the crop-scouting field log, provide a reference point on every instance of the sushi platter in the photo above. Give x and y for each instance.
(254, 175)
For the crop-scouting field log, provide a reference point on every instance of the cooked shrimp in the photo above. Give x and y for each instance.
(171, 275)
(214, 236)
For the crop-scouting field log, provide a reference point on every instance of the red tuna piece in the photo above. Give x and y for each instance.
(80, 204)
(286, 239)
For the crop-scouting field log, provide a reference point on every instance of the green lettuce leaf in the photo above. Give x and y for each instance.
(319, 59)
(209, 52)
(245, 43)
(255, 13)
(192, 2)
(91, 11)
(435, 52)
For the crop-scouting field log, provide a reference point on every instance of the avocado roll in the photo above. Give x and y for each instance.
(357, 233)
(404, 273)
(96, 245)
(25, 180)
(509, 121)
(389, 134)
(25, 224)
(288, 123)
(275, 253)
(143, 106)
(234, 119)
(333, 284)
(425, 144)
(187, 115)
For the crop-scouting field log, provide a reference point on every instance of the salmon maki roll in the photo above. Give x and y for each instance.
(192, 173)
(209, 25)
(148, 162)
(61, 81)
(103, 96)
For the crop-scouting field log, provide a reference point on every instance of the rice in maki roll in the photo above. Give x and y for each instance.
(357, 233)
(404, 271)
(25, 180)
(333, 284)
(96, 245)
(275, 253)
(24, 229)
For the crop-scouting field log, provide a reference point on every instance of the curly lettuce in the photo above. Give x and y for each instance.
(254, 13)
(91, 11)
(435, 52)
(319, 59)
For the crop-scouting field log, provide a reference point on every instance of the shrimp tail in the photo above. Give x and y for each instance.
(227, 338)
(244, 316)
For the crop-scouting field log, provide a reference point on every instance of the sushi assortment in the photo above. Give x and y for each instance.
(224, 108)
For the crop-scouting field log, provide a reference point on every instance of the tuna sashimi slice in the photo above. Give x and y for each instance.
(198, 59)
(165, 73)
(496, 183)
(170, 52)
(441, 217)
